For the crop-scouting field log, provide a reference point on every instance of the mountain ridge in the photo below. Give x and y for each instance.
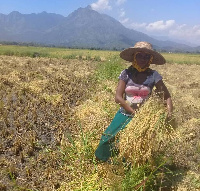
(83, 28)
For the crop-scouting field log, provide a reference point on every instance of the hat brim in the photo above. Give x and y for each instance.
(128, 55)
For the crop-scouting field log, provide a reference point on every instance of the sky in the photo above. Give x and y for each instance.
(163, 19)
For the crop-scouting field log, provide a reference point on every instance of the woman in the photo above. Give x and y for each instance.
(134, 87)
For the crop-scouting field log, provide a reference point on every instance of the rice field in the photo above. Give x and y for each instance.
(98, 55)
(53, 110)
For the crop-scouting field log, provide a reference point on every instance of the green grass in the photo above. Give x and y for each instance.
(97, 55)
(110, 69)
(181, 58)
(12, 50)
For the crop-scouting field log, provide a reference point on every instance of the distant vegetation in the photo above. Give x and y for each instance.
(53, 52)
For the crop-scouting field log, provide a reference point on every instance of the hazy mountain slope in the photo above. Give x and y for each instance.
(83, 28)
(27, 28)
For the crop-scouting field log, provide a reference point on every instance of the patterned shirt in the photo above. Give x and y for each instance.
(136, 94)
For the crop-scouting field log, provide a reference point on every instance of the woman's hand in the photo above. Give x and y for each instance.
(162, 90)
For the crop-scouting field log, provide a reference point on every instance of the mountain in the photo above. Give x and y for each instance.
(83, 28)
(87, 28)
(27, 28)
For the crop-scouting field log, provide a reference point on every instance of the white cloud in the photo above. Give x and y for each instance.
(119, 2)
(184, 30)
(122, 13)
(168, 28)
(101, 5)
(160, 25)
(124, 21)
(191, 34)
(155, 27)
(197, 29)
(122, 16)
(137, 26)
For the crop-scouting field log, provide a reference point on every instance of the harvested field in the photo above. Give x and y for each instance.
(52, 114)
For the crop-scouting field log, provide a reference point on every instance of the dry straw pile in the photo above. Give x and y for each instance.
(147, 133)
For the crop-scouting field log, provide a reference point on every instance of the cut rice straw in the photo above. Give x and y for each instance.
(146, 133)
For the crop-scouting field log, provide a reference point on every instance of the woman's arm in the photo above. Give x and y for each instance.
(119, 97)
(164, 93)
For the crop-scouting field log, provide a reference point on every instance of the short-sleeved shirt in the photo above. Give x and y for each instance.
(136, 94)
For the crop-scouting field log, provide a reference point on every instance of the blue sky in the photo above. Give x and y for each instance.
(175, 19)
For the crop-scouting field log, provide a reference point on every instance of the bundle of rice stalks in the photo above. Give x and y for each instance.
(146, 133)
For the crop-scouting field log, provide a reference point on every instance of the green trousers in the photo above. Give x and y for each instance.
(106, 147)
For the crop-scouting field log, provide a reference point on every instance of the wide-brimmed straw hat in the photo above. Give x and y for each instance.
(128, 54)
